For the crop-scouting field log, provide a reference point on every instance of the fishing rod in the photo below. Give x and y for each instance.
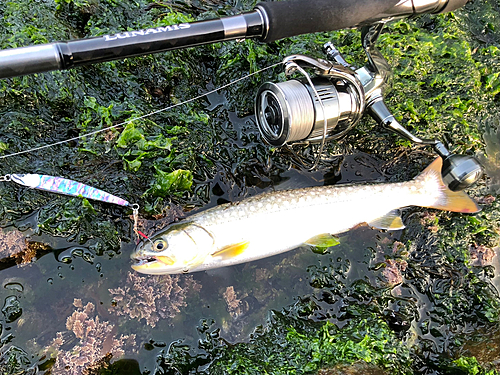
(268, 22)
(313, 109)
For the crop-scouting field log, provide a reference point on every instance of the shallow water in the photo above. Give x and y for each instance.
(47, 287)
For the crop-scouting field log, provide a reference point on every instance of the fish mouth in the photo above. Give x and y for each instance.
(140, 260)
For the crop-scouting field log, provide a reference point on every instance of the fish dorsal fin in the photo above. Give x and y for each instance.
(323, 241)
(231, 251)
(390, 221)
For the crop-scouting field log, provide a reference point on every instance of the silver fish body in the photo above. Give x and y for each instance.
(272, 223)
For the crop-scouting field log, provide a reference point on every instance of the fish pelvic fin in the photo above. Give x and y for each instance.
(323, 241)
(446, 199)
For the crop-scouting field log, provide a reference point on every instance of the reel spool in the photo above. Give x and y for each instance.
(293, 111)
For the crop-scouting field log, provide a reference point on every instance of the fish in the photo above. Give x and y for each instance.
(271, 223)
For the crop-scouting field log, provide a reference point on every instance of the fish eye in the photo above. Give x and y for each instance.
(160, 245)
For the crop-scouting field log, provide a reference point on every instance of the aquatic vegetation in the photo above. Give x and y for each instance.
(12, 243)
(491, 157)
(152, 298)
(170, 183)
(470, 366)
(232, 302)
(15, 360)
(481, 351)
(294, 345)
(11, 309)
(96, 342)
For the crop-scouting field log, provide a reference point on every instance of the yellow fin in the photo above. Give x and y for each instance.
(231, 251)
(390, 221)
(456, 201)
(323, 241)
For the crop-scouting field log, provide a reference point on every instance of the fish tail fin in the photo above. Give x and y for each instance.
(445, 199)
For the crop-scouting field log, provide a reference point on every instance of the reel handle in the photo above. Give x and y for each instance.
(459, 171)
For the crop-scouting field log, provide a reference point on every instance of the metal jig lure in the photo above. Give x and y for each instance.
(63, 186)
(69, 187)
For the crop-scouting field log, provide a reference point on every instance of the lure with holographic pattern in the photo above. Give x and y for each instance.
(64, 186)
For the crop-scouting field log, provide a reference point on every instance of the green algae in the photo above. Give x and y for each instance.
(469, 366)
(169, 183)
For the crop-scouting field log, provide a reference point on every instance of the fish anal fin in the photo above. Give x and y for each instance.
(455, 201)
(231, 251)
(390, 221)
(323, 241)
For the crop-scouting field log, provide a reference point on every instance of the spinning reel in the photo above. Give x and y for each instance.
(327, 105)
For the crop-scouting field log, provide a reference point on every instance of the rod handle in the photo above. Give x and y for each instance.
(296, 17)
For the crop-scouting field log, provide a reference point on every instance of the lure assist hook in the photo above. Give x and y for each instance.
(325, 105)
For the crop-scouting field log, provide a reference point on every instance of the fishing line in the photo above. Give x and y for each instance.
(141, 117)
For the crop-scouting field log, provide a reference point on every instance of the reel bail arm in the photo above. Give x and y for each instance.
(326, 106)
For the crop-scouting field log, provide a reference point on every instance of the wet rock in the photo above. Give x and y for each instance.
(485, 348)
(11, 309)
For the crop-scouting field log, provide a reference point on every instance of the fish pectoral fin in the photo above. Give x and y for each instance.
(231, 251)
(390, 221)
(323, 241)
